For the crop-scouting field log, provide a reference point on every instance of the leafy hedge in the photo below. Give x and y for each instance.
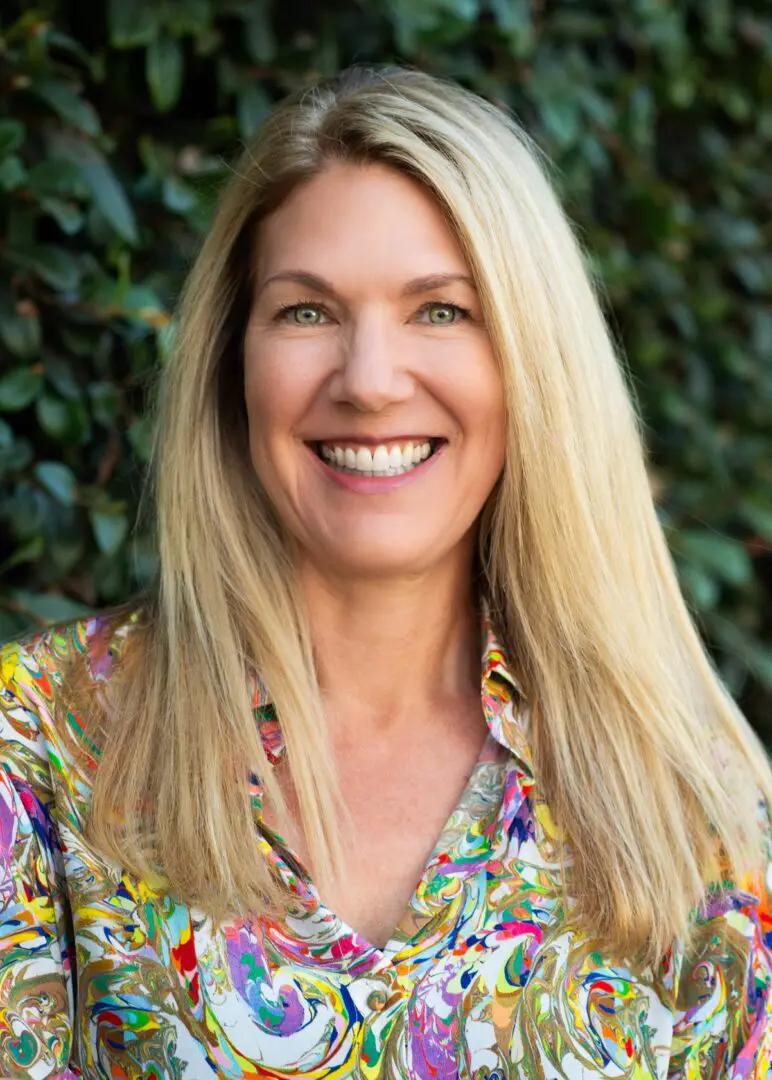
(116, 123)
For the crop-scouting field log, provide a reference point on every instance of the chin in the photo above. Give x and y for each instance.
(383, 559)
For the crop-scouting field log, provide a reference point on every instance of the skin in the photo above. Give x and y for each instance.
(354, 336)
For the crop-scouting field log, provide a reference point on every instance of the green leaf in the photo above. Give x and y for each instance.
(56, 266)
(260, 41)
(28, 551)
(101, 181)
(64, 552)
(70, 45)
(79, 340)
(512, 15)
(60, 374)
(19, 388)
(157, 158)
(132, 22)
(16, 455)
(53, 415)
(26, 510)
(11, 136)
(20, 334)
(109, 530)
(58, 480)
(141, 438)
(48, 607)
(62, 420)
(700, 586)
(252, 107)
(561, 120)
(12, 174)
(189, 17)
(67, 215)
(12, 624)
(177, 195)
(727, 559)
(22, 226)
(105, 400)
(755, 274)
(754, 655)
(758, 514)
(140, 303)
(67, 102)
(167, 336)
(573, 24)
(109, 572)
(56, 176)
(758, 657)
(163, 68)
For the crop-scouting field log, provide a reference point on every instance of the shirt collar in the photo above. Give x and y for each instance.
(504, 704)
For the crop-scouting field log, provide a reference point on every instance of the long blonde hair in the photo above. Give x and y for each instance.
(630, 723)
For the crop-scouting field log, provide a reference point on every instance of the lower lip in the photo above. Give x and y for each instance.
(375, 485)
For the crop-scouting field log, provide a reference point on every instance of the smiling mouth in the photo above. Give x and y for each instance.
(386, 459)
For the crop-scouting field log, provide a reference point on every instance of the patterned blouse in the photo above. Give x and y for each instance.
(101, 976)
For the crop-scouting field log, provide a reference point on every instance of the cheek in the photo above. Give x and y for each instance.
(490, 400)
(276, 393)
(282, 378)
(491, 453)
(270, 407)
(497, 434)
(481, 410)
(474, 392)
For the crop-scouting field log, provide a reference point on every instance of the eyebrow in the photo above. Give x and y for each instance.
(436, 281)
(320, 285)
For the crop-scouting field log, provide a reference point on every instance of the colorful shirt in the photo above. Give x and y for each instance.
(101, 976)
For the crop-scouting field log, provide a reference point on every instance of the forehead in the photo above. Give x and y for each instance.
(353, 219)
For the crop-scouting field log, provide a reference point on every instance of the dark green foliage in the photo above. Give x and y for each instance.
(116, 120)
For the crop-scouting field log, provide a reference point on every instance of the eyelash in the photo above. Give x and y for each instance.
(285, 310)
(462, 311)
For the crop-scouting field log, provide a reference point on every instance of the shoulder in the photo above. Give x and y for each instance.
(755, 887)
(39, 670)
(33, 667)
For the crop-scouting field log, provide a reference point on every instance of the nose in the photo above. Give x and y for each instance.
(371, 374)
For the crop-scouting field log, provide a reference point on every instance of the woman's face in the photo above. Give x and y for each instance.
(376, 409)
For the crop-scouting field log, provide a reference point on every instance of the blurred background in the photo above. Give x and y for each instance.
(117, 122)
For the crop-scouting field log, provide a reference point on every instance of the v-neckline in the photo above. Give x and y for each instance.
(290, 867)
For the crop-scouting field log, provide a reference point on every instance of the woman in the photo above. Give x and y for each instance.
(277, 820)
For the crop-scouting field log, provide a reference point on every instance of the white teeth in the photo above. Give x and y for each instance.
(380, 461)
(364, 460)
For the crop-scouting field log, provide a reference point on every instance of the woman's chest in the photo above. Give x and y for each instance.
(482, 980)
(304, 999)
(398, 808)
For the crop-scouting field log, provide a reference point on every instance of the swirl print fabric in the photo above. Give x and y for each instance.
(102, 976)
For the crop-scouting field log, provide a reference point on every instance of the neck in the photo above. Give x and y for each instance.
(385, 648)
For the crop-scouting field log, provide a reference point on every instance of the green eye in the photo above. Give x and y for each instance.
(443, 314)
(306, 315)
